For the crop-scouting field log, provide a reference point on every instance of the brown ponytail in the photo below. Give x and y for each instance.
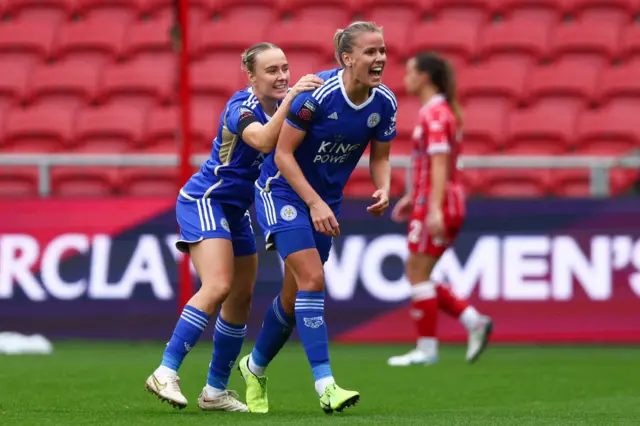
(443, 77)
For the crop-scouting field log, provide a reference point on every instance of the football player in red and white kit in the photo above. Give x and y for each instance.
(435, 210)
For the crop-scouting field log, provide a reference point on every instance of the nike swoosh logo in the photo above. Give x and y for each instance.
(157, 383)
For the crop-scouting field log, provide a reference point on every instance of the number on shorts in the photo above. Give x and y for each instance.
(415, 228)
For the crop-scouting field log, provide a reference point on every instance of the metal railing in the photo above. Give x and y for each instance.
(598, 166)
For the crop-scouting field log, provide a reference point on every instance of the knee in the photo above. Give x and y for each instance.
(213, 293)
(312, 280)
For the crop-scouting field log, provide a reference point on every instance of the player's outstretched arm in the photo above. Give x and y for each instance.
(323, 218)
(380, 170)
(264, 137)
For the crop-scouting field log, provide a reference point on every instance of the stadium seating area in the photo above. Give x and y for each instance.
(535, 77)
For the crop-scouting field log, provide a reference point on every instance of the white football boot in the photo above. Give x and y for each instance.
(413, 357)
(227, 401)
(478, 338)
(167, 389)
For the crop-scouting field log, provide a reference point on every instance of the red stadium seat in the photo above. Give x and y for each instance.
(516, 183)
(630, 44)
(577, 182)
(218, 36)
(521, 37)
(15, 76)
(148, 36)
(300, 64)
(613, 128)
(250, 10)
(314, 37)
(18, 181)
(162, 129)
(484, 127)
(84, 181)
(110, 128)
(563, 78)
(393, 76)
(544, 123)
(205, 121)
(447, 37)
(500, 78)
(154, 79)
(330, 13)
(619, 82)
(54, 11)
(44, 128)
(95, 35)
(585, 38)
(150, 181)
(511, 8)
(110, 10)
(474, 12)
(25, 36)
(396, 34)
(218, 75)
(408, 107)
(472, 181)
(608, 11)
(360, 184)
(70, 78)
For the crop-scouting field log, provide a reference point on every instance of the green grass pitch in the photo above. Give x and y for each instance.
(85, 383)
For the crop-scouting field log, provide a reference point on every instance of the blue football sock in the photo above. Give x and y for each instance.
(190, 326)
(227, 344)
(276, 329)
(313, 331)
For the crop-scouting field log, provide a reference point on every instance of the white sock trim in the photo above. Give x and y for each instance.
(428, 345)
(255, 368)
(322, 384)
(165, 371)
(423, 291)
(470, 318)
(213, 392)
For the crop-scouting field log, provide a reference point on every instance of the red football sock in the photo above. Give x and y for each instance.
(448, 302)
(424, 309)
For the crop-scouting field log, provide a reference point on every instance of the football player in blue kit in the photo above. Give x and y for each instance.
(298, 200)
(215, 229)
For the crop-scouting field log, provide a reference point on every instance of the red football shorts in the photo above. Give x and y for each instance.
(454, 214)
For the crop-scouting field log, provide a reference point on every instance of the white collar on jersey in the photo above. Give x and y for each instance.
(346, 98)
(438, 98)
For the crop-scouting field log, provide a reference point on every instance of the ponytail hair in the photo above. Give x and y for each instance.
(344, 39)
(443, 77)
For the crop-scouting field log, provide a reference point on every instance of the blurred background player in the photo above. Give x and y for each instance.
(435, 209)
(299, 197)
(215, 228)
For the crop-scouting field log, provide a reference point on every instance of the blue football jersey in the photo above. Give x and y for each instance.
(229, 174)
(337, 133)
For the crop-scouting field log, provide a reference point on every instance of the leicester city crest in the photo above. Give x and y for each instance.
(373, 120)
(288, 213)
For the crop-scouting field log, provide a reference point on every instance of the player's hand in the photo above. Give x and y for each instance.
(324, 221)
(382, 203)
(402, 210)
(435, 223)
(306, 83)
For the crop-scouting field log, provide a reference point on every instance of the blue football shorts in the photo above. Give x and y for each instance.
(205, 218)
(287, 225)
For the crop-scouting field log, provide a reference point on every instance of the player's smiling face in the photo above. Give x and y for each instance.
(369, 58)
(271, 78)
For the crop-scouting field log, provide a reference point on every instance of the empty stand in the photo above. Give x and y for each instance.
(149, 181)
(581, 37)
(549, 123)
(141, 82)
(611, 130)
(110, 128)
(620, 82)
(43, 128)
(516, 38)
(71, 78)
(534, 76)
(451, 38)
(18, 181)
(99, 37)
(563, 78)
(499, 78)
(27, 36)
(84, 181)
